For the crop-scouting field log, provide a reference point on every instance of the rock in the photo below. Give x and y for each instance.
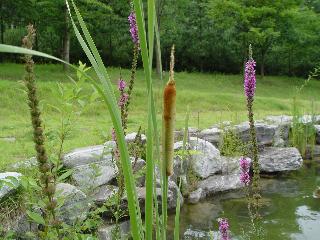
(281, 135)
(317, 128)
(29, 163)
(180, 165)
(222, 125)
(192, 132)
(190, 234)
(220, 183)
(230, 165)
(103, 193)
(75, 205)
(184, 185)
(278, 120)
(22, 225)
(173, 194)
(205, 161)
(88, 155)
(9, 182)
(283, 124)
(106, 232)
(196, 196)
(309, 119)
(265, 132)
(95, 174)
(274, 159)
(212, 135)
(132, 136)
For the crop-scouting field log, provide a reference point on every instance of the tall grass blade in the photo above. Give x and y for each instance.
(151, 21)
(149, 176)
(133, 204)
(158, 48)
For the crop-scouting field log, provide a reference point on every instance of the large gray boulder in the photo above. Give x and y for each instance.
(205, 158)
(212, 135)
(281, 136)
(9, 182)
(274, 159)
(283, 125)
(265, 132)
(107, 232)
(104, 193)
(196, 196)
(75, 203)
(88, 155)
(230, 165)
(93, 175)
(218, 183)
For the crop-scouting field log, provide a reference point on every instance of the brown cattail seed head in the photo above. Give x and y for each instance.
(169, 115)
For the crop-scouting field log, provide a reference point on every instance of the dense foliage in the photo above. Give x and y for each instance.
(210, 35)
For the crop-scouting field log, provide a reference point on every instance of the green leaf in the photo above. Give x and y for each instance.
(107, 93)
(36, 217)
(65, 175)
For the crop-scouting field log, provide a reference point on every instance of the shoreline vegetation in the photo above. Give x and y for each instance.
(212, 98)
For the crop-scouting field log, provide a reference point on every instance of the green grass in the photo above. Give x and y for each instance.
(211, 97)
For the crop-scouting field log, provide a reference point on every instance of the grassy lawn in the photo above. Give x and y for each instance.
(211, 97)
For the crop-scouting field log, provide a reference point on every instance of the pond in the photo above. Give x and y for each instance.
(289, 212)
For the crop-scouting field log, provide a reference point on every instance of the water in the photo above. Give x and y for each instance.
(289, 212)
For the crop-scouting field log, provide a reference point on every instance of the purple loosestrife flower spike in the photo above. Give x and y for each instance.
(245, 178)
(123, 100)
(245, 168)
(250, 76)
(245, 164)
(133, 28)
(224, 229)
(121, 85)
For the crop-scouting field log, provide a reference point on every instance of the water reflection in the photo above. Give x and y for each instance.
(290, 211)
(309, 222)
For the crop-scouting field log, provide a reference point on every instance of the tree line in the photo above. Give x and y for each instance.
(210, 35)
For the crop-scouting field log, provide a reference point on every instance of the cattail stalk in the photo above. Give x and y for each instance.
(169, 112)
(169, 118)
(45, 167)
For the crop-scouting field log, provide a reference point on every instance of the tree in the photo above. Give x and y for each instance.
(257, 22)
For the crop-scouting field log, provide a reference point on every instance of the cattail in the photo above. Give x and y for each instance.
(169, 118)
